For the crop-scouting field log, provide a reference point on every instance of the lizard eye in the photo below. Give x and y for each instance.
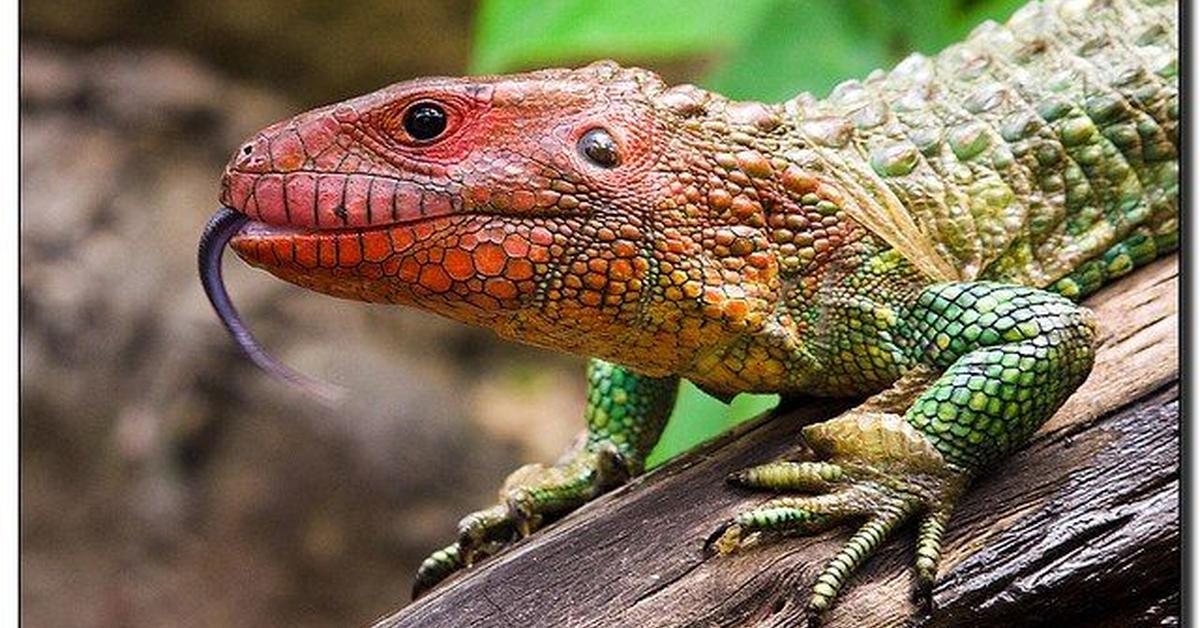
(425, 121)
(600, 148)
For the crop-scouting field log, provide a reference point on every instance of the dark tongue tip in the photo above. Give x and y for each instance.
(220, 229)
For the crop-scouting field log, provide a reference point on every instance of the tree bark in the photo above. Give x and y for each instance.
(1081, 527)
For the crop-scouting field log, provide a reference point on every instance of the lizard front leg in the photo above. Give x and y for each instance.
(626, 413)
(992, 362)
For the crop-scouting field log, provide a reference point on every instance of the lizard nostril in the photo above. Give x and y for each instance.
(252, 157)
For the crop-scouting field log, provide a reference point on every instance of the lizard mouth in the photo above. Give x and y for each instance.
(331, 201)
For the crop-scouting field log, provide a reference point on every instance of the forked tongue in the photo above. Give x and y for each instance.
(217, 233)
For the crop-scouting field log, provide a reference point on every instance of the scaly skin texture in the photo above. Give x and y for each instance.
(919, 236)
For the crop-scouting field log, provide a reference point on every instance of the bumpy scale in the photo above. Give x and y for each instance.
(919, 236)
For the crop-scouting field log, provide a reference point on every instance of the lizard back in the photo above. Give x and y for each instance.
(1042, 152)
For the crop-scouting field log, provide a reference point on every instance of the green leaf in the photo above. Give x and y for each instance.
(699, 417)
(975, 13)
(518, 34)
(797, 46)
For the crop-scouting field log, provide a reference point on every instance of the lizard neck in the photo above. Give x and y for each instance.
(779, 244)
(747, 235)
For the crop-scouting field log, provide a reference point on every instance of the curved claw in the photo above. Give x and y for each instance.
(491, 525)
(922, 596)
(724, 539)
(521, 510)
(532, 496)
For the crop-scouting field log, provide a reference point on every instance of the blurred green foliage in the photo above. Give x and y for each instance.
(751, 49)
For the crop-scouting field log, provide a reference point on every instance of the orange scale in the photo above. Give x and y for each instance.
(326, 252)
(736, 309)
(402, 238)
(478, 196)
(744, 207)
(595, 281)
(759, 260)
(500, 288)
(375, 245)
(284, 249)
(541, 235)
(434, 278)
(306, 251)
(798, 182)
(620, 270)
(523, 200)
(422, 230)
(458, 264)
(265, 252)
(516, 246)
(489, 259)
(409, 270)
(349, 252)
(518, 269)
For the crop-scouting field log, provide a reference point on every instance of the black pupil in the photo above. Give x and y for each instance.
(425, 121)
(599, 147)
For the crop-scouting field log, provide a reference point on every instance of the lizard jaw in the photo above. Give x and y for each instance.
(332, 200)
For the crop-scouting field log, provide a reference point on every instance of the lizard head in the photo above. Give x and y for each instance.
(547, 206)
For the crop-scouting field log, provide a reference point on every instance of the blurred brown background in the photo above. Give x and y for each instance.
(164, 481)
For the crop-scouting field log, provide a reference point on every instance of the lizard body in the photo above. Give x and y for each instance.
(918, 235)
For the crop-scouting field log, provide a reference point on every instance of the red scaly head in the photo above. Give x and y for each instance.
(548, 206)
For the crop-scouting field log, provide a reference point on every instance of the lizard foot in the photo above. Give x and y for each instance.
(877, 470)
(532, 496)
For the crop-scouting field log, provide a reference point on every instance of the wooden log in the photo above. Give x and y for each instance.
(1081, 527)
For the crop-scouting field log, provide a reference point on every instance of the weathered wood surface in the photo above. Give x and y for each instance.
(1079, 528)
